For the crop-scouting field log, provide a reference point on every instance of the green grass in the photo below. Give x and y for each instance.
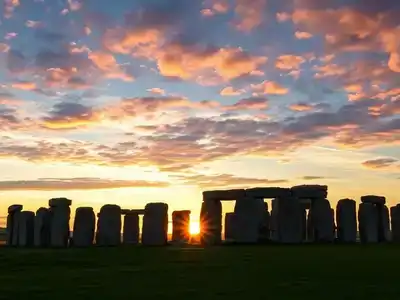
(264, 272)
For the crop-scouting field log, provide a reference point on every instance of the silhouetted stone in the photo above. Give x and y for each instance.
(132, 211)
(26, 228)
(304, 223)
(322, 221)
(131, 230)
(229, 227)
(264, 230)
(84, 227)
(383, 223)
(268, 192)
(109, 226)
(373, 199)
(346, 219)
(180, 226)
(395, 222)
(368, 223)
(222, 195)
(60, 217)
(42, 228)
(310, 191)
(155, 224)
(12, 224)
(289, 220)
(274, 233)
(210, 222)
(249, 214)
(310, 227)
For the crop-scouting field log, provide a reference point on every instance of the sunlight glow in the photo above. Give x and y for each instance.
(194, 228)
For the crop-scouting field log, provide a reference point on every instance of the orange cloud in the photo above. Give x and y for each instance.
(253, 103)
(107, 63)
(302, 35)
(301, 107)
(289, 62)
(157, 91)
(230, 91)
(379, 163)
(250, 14)
(24, 85)
(270, 87)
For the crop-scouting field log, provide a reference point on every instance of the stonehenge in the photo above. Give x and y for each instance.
(301, 214)
(180, 226)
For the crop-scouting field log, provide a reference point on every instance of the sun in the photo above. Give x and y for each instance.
(194, 228)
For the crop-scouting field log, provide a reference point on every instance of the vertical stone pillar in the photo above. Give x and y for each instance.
(322, 220)
(274, 232)
(310, 227)
(180, 226)
(109, 226)
(131, 230)
(264, 231)
(155, 224)
(346, 219)
(289, 220)
(26, 228)
(42, 227)
(211, 222)
(249, 215)
(395, 223)
(60, 216)
(12, 224)
(84, 227)
(368, 223)
(229, 227)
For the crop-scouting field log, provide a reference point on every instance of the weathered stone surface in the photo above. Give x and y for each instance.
(13, 213)
(310, 227)
(155, 224)
(304, 223)
(249, 214)
(15, 229)
(131, 230)
(229, 227)
(373, 199)
(180, 226)
(264, 230)
(42, 227)
(310, 191)
(289, 220)
(274, 233)
(26, 229)
(346, 219)
(60, 232)
(60, 202)
(84, 227)
(368, 222)
(222, 195)
(109, 226)
(395, 223)
(268, 192)
(322, 221)
(210, 222)
(383, 223)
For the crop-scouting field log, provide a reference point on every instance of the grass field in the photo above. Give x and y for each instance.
(264, 272)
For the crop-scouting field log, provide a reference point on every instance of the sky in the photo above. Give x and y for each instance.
(130, 102)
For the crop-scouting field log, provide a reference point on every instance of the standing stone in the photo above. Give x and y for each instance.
(310, 191)
(130, 234)
(274, 233)
(289, 220)
(211, 222)
(42, 227)
(264, 234)
(109, 226)
(310, 227)
(322, 221)
(60, 216)
(384, 223)
(155, 224)
(180, 226)
(229, 227)
(26, 228)
(304, 224)
(12, 224)
(249, 215)
(84, 227)
(395, 223)
(368, 223)
(346, 219)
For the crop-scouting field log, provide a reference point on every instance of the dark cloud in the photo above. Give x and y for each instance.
(16, 61)
(380, 163)
(58, 184)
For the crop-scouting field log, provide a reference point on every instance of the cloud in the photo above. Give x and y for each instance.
(250, 14)
(270, 88)
(66, 184)
(380, 163)
(230, 91)
(24, 85)
(289, 62)
(303, 35)
(312, 177)
(253, 103)
(108, 64)
(227, 180)
(157, 91)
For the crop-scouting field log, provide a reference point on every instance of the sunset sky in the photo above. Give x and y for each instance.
(129, 102)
